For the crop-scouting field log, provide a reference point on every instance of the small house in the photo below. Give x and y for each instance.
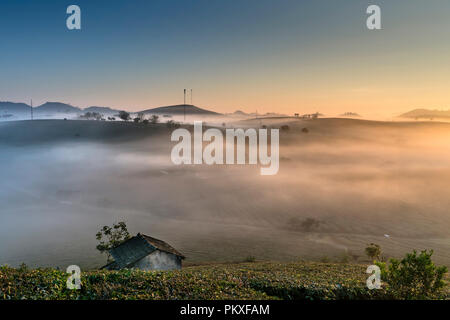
(145, 253)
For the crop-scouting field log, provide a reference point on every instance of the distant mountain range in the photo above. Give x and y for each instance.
(55, 109)
(102, 110)
(349, 114)
(8, 109)
(13, 108)
(239, 113)
(426, 114)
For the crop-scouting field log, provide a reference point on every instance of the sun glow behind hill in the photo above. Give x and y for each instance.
(289, 57)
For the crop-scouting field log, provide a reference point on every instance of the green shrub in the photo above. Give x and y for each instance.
(414, 277)
(373, 251)
(345, 258)
(250, 259)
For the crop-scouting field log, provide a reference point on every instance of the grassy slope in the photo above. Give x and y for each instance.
(262, 280)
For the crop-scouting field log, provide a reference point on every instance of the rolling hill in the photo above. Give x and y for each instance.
(426, 114)
(56, 107)
(102, 110)
(15, 110)
(180, 109)
(239, 113)
(7, 107)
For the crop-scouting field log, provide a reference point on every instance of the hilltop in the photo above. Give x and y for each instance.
(426, 114)
(350, 114)
(102, 110)
(56, 107)
(180, 110)
(240, 113)
(9, 109)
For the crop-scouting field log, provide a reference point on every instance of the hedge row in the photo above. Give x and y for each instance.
(262, 280)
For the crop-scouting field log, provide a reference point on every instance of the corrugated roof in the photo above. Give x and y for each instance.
(162, 245)
(137, 248)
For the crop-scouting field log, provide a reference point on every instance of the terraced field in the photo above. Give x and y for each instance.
(260, 280)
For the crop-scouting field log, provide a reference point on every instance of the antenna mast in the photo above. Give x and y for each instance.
(31, 109)
(184, 106)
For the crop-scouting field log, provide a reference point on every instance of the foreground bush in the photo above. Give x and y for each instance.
(414, 277)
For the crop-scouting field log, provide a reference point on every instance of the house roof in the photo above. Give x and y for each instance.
(162, 245)
(137, 248)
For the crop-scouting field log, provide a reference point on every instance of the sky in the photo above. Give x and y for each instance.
(285, 56)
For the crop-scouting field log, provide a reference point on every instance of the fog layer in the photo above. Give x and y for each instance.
(355, 181)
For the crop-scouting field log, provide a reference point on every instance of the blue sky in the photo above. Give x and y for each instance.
(277, 55)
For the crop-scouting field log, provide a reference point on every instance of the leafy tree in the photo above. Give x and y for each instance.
(139, 117)
(172, 124)
(111, 237)
(86, 115)
(414, 277)
(309, 224)
(304, 225)
(124, 115)
(154, 119)
(373, 251)
(92, 115)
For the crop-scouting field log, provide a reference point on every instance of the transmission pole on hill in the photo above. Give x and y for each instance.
(184, 105)
(191, 98)
(31, 109)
